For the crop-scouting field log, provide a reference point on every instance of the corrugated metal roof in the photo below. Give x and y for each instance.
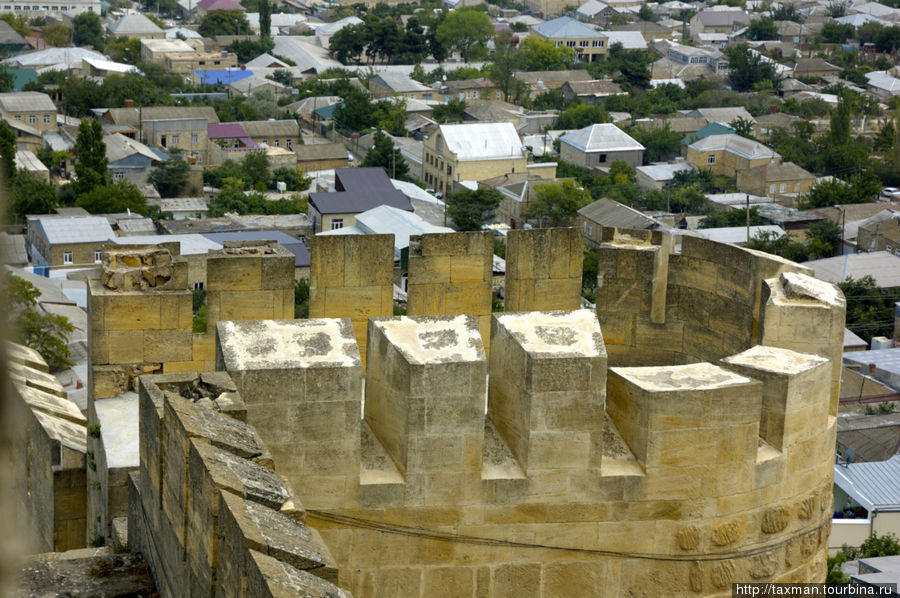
(880, 265)
(483, 141)
(70, 57)
(735, 144)
(191, 244)
(358, 190)
(602, 137)
(295, 246)
(737, 235)
(26, 101)
(567, 27)
(86, 229)
(134, 24)
(874, 485)
(612, 214)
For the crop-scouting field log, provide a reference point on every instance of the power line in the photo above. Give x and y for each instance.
(427, 534)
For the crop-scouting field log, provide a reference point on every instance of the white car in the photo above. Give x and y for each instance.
(890, 192)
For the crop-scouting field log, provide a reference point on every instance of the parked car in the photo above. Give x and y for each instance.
(890, 192)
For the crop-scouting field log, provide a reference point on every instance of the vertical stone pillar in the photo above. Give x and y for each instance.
(245, 280)
(301, 381)
(807, 315)
(140, 317)
(351, 276)
(694, 427)
(450, 275)
(543, 269)
(547, 388)
(425, 385)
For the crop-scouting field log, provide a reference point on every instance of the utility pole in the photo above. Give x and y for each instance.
(748, 217)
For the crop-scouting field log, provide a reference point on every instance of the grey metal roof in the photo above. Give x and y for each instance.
(483, 141)
(737, 234)
(26, 101)
(663, 172)
(603, 137)
(295, 246)
(134, 24)
(874, 485)
(12, 249)
(87, 229)
(567, 27)
(191, 244)
(880, 265)
(612, 214)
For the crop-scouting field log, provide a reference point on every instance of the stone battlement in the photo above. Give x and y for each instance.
(206, 509)
(681, 434)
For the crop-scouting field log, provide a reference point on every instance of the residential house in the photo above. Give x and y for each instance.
(598, 146)
(650, 31)
(310, 59)
(356, 190)
(471, 152)
(710, 129)
(66, 242)
(739, 235)
(471, 89)
(326, 30)
(880, 234)
(30, 108)
(768, 123)
(586, 41)
(590, 92)
(254, 82)
(166, 127)
(724, 116)
(541, 81)
(729, 154)
(682, 63)
(719, 19)
(629, 40)
(206, 6)
(883, 84)
(10, 41)
(658, 176)
(230, 136)
(321, 156)
(131, 160)
(783, 181)
(596, 12)
(517, 191)
(183, 208)
(54, 8)
(135, 26)
(393, 83)
(808, 68)
(185, 56)
(274, 133)
(866, 503)
(26, 160)
(606, 213)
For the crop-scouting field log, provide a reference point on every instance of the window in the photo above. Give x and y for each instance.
(590, 229)
(18, 117)
(288, 143)
(195, 138)
(571, 44)
(772, 188)
(277, 142)
(198, 286)
(32, 119)
(449, 170)
(162, 140)
(337, 223)
(175, 139)
(67, 257)
(97, 257)
(46, 119)
(584, 43)
(889, 250)
(602, 158)
(118, 175)
(782, 188)
(711, 159)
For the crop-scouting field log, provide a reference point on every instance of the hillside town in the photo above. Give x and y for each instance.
(187, 184)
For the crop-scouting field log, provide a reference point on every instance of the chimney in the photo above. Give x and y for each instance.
(129, 103)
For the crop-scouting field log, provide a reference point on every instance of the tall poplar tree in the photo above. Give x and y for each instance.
(91, 164)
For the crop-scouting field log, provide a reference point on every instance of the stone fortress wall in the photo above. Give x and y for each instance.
(681, 437)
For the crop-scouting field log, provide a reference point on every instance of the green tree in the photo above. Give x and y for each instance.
(747, 69)
(255, 169)
(87, 30)
(7, 152)
(120, 196)
(450, 112)
(301, 298)
(556, 203)
(782, 245)
(823, 239)
(348, 43)
(30, 195)
(57, 35)
(724, 218)
(123, 49)
(354, 114)
(248, 49)
(387, 156)
(390, 115)
(762, 29)
(45, 333)
(742, 127)
(581, 116)
(170, 177)
(660, 143)
(293, 179)
(91, 164)
(469, 209)
(224, 22)
(265, 19)
(466, 31)
(19, 24)
(504, 64)
(870, 309)
(262, 101)
(538, 54)
(646, 13)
